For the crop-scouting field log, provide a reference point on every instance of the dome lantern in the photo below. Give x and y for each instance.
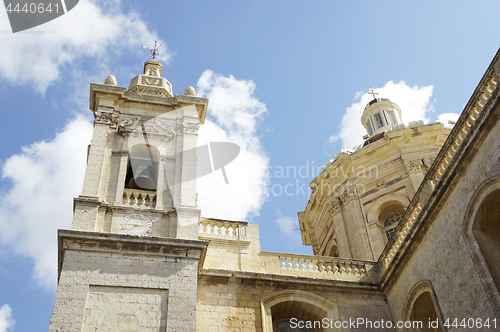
(379, 115)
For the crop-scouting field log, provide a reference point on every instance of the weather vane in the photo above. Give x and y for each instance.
(373, 93)
(154, 52)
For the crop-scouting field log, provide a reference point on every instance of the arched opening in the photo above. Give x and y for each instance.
(296, 316)
(331, 248)
(142, 169)
(486, 230)
(389, 219)
(297, 311)
(423, 311)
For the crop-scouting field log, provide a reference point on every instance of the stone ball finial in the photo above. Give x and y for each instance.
(190, 91)
(110, 80)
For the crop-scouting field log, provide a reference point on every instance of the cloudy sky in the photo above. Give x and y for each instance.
(287, 81)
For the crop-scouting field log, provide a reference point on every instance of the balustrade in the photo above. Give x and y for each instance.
(139, 198)
(218, 228)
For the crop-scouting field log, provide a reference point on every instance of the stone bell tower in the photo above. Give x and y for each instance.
(130, 261)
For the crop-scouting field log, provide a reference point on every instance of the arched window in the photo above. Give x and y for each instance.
(389, 219)
(391, 222)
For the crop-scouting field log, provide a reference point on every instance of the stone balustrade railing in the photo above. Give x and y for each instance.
(489, 83)
(472, 111)
(218, 228)
(315, 264)
(139, 198)
(318, 266)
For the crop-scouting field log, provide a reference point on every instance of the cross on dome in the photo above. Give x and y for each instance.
(373, 93)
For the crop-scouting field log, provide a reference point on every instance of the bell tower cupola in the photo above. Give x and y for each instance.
(379, 115)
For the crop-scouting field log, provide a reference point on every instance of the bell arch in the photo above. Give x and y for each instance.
(482, 235)
(422, 306)
(142, 168)
(312, 306)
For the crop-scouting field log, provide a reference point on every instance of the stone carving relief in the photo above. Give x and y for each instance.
(151, 81)
(107, 118)
(152, 129)
(191, 127)
(334, 206)
(128, 123)
(341, 200)
(413, 166)
(150, 91)
(153, 72)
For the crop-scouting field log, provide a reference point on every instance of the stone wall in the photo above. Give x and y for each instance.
(121, 283)
(235, 303)
(440, 253)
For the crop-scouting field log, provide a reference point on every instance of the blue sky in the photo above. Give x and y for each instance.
(287, 81)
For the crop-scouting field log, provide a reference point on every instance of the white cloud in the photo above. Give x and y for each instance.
(233, 115)
(92, 28)
(414, 103)
(445, 117)
(45, 178)
(288, 225)
(6, 321)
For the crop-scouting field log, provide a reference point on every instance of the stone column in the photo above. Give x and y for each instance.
(91, 184)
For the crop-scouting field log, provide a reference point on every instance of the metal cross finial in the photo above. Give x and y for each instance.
(373, 93)
(154, 52)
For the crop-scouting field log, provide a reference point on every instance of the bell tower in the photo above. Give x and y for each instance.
(131, 258)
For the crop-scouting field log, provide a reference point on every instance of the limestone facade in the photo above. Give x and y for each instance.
(143, 260)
